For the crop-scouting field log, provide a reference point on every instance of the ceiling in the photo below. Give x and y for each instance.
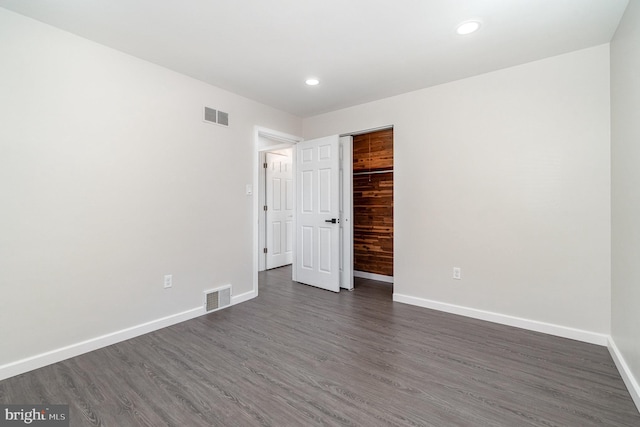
(360, 50)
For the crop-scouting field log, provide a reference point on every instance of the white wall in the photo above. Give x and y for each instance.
(109, 179)
(625, 153)
(507, 176)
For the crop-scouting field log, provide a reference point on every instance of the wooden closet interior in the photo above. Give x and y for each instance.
(373, 202)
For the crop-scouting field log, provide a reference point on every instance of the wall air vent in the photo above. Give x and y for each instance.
(223, 118)
(218, 298)
(212, 115)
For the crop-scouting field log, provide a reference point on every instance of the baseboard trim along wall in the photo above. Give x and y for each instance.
(373, 276)
(518, 322)
(625, 372)
(237, 299)
(73, 350)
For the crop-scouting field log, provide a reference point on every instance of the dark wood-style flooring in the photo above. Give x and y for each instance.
(301, 356)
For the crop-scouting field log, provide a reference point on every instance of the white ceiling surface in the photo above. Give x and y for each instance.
(361, 50)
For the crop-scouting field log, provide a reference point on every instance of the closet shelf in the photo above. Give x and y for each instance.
(373, 172)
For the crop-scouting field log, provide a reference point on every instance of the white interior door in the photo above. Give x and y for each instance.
(317, 213)
(280, 209)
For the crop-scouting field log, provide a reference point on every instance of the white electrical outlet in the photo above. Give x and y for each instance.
(457, 273)
(168, 280)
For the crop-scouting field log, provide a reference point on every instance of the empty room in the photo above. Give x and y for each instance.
(292, 213)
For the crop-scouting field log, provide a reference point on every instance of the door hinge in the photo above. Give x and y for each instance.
(264, 250)
(264, 165)
(265, 207)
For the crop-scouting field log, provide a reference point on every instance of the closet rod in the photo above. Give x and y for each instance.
(372, 172)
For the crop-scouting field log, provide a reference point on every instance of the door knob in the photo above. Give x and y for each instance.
(332, 220)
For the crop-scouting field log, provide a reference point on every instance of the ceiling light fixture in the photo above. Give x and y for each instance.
(468, 27)
(312, 82)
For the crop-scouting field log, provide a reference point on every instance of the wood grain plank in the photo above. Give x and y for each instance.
(373, 151)
(373, 223)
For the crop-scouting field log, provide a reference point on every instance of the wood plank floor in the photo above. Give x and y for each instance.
(301, 356)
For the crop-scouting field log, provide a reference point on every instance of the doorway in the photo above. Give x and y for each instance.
(373, 205)
(373, 167)
(265, 140)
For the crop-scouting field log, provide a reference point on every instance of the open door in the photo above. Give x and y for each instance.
(317, 260)
(279, 208)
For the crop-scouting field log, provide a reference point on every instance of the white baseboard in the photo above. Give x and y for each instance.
(518, 322)
(373, 276)
(60, 354)
(237, 299)
(625, 372)
(40, 360)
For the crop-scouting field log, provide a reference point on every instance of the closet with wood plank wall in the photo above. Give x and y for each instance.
(373, 203)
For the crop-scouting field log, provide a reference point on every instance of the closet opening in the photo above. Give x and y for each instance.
(373, 205)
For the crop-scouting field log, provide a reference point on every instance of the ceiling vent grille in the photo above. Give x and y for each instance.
(218, 117)
(218, 298)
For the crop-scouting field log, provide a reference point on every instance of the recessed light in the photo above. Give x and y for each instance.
(312, 82)
(468, 27)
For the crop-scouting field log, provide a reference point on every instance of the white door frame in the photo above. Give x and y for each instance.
(346, 212)
(265, 140)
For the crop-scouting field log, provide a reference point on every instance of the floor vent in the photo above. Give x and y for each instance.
(212, 115)
(217, 298)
